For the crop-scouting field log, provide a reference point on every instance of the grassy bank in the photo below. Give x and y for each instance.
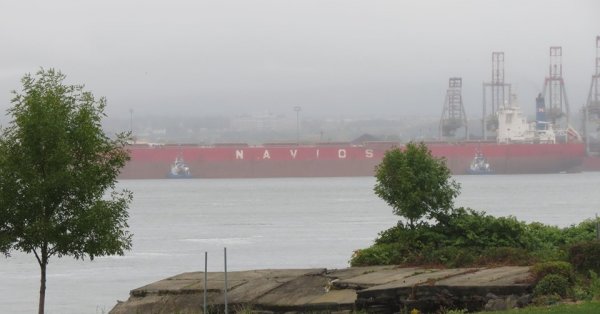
(579, 308)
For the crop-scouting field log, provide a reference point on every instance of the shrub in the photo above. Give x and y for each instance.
(585, 256)
(464, 237)
(587, 288)
(392, 235)
(583, 232)
(541, 270)
(505, 256)
(454, 256)
(552, 284)
(378, 254)
(469, 228)
(543, 237)
(594, 287)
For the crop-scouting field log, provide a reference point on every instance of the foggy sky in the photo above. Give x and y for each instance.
(341, 58)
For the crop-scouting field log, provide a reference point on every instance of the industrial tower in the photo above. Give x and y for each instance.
(499, 93)
(592, 106)
(453, 114)
(557, 105)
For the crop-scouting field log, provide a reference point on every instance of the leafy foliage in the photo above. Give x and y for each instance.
(541, 270)
(585, 256)
(415, 184)
(470, 228)
(56, 167)
(496, 256)
(594, 286)
(378, 254)
(466, 237)
(552, 284)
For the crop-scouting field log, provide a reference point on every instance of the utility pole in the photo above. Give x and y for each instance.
(131, 124)
(297, 109)
(131, 120)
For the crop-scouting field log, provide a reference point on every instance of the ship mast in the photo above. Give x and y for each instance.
(497, 91)
(453, 113)
(554, 89)
(592, 106)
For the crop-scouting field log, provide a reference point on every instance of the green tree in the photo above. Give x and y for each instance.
(415, 183)
(58, 171)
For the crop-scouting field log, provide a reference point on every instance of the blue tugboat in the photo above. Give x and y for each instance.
(479, 165)
(179, 169)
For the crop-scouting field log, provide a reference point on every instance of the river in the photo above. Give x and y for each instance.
(264, 223)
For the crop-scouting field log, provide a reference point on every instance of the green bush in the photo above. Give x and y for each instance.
(585, 256)
(583, 232)
(549, 243)
(453, 257)
(543, 237)
(464, 237)
(505, 256)
(594, 286)
(392, 235)
(378, 254)
(587, 288)
(552, 284)
(541, 270)
(469, 228)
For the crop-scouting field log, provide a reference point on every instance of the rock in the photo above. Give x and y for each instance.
(524, 300)
(495, 305)
(511, 302)
(491, 296)
(342, 312)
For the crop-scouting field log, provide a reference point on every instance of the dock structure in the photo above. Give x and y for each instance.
(381, 289)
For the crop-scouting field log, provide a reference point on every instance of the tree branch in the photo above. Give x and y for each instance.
(37, 257)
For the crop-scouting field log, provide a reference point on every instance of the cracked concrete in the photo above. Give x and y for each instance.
(302, 290)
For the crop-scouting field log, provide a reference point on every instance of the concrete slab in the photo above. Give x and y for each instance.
(507, 275)
(299, 291)
(420, 277)
(187, 282)
(341, 297)
(376, 277)
(347, 273)
(316, 290)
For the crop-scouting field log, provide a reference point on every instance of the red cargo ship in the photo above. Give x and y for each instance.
(521, 147)
(336, 160)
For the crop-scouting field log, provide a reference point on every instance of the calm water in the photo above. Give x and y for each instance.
(264, 223)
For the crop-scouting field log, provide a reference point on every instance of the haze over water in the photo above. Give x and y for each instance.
(339, 58)
(265, 223)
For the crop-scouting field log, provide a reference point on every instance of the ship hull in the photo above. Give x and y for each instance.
(341, 160)
(591, 163)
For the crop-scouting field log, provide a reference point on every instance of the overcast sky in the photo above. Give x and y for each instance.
(342, 58)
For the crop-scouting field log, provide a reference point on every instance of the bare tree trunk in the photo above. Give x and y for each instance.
(42, 290)
(43, 264)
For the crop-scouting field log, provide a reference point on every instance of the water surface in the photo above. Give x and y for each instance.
(264, 223)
